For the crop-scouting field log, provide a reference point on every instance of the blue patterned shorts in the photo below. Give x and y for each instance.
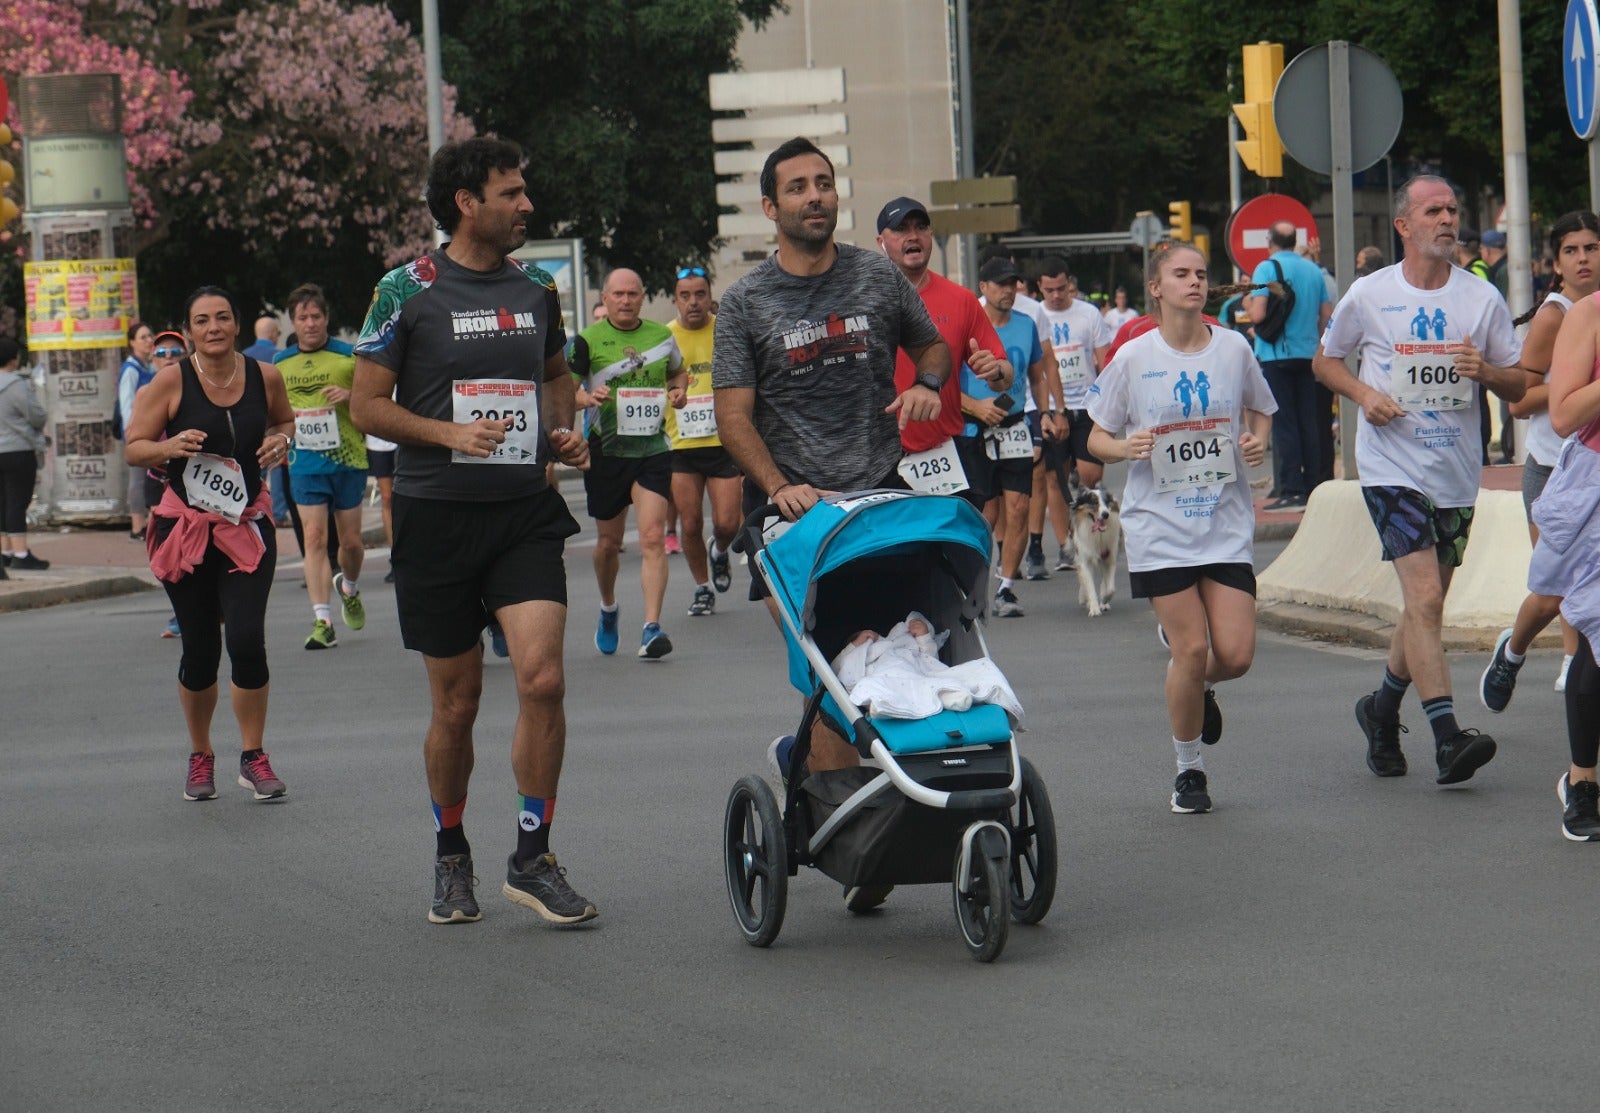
(1409, 522)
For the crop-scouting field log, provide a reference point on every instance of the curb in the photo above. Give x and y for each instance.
(98, 587)
(1326, 624)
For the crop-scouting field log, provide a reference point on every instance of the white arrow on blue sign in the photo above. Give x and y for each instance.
(1580, 66)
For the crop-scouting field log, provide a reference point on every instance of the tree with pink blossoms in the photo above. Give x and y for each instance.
(270, 143)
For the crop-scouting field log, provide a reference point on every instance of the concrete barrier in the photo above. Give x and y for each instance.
(1335, 564)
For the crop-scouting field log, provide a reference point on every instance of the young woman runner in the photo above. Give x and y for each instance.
(1187, 404)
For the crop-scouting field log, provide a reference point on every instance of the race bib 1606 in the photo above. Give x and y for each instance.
(1424, 377)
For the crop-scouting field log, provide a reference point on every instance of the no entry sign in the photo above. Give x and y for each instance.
(1248, 227)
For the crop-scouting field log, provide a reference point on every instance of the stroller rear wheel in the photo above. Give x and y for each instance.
(982, 910)
(1033, 849)
(755, 859)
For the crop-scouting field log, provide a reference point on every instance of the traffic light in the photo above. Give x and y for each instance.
(9, 210)
(1260, 149)
(1202, 244)
(1181, 222)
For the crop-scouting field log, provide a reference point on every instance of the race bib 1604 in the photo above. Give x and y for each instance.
(1193, 454)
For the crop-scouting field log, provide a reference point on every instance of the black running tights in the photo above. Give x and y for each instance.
(17, 473)
(1583, 706)
(213, 600)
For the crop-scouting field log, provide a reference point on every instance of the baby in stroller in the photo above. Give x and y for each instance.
(899, 675)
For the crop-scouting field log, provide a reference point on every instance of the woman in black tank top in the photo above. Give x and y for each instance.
(226, 421)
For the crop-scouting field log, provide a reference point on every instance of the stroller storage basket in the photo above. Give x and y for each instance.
(890, 840)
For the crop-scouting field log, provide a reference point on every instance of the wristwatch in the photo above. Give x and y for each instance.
(929, 380)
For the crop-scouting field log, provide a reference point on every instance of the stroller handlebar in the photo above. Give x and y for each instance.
(750, 537)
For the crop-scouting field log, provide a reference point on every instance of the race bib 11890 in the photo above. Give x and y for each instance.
(215, 483)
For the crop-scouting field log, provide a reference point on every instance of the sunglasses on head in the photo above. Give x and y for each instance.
(169, 353)
(696, 272)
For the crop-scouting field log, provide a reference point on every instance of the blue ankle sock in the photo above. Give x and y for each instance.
(1386, 700)
(1441, 712)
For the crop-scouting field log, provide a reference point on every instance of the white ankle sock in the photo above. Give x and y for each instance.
(323, 611)
(1513, 656)
(1188, 755)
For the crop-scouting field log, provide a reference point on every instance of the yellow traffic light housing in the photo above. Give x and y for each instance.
(1260, 149)
(1181, 221)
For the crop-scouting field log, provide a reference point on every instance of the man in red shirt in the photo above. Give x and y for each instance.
(906, 237)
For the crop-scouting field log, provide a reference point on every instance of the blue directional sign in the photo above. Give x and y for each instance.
(1580, 67)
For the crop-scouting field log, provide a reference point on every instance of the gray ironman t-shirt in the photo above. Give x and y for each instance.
(433, 322)
(820, 352)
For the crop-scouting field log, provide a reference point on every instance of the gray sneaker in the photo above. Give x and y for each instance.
(1033, 566)
(543, 887)
(453, 902)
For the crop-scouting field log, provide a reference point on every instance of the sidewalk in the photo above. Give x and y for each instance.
(94, 563)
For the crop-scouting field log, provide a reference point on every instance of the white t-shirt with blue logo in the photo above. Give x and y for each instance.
(1077, 332)
(1394, 326)
(1150, 385)
(1544, 443)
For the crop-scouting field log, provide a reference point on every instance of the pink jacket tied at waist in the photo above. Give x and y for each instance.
(194, 531)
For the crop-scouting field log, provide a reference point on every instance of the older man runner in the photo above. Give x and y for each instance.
(1431, 339)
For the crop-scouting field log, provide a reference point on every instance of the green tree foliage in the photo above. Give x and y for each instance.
(609, 99)
(1104, 110)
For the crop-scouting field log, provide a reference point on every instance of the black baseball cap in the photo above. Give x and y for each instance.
(998, 270)
(895, 212)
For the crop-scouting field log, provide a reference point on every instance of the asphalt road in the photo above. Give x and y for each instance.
(1322, 941)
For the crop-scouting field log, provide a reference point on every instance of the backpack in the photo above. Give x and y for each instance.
(1280, 303)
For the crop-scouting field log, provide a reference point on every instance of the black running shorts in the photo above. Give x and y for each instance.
(1169, 581)
(456, 563)
(713, 462)
(609, 481)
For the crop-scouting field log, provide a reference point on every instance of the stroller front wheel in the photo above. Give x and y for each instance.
(983, 911)
(1033, 849)
(755, 859)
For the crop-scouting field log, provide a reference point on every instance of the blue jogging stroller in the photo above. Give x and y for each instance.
(945, 799)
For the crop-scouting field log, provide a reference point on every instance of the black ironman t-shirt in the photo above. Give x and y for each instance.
(434, 322)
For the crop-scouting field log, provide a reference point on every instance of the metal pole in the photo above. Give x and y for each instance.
(968, 160)
(1235, 167)
(1514, 138)
(434, 76)
(1344, 231)
(1594, 174)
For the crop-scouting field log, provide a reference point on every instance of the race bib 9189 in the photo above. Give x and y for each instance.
(1424, 377)
(516, 400)
(1193, 454)
(640, 410)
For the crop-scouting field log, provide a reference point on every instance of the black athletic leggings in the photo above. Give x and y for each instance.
(17, 472)
(1583, 706)
(215, 594)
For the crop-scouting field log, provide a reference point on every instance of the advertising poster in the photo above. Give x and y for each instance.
(79, 304)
